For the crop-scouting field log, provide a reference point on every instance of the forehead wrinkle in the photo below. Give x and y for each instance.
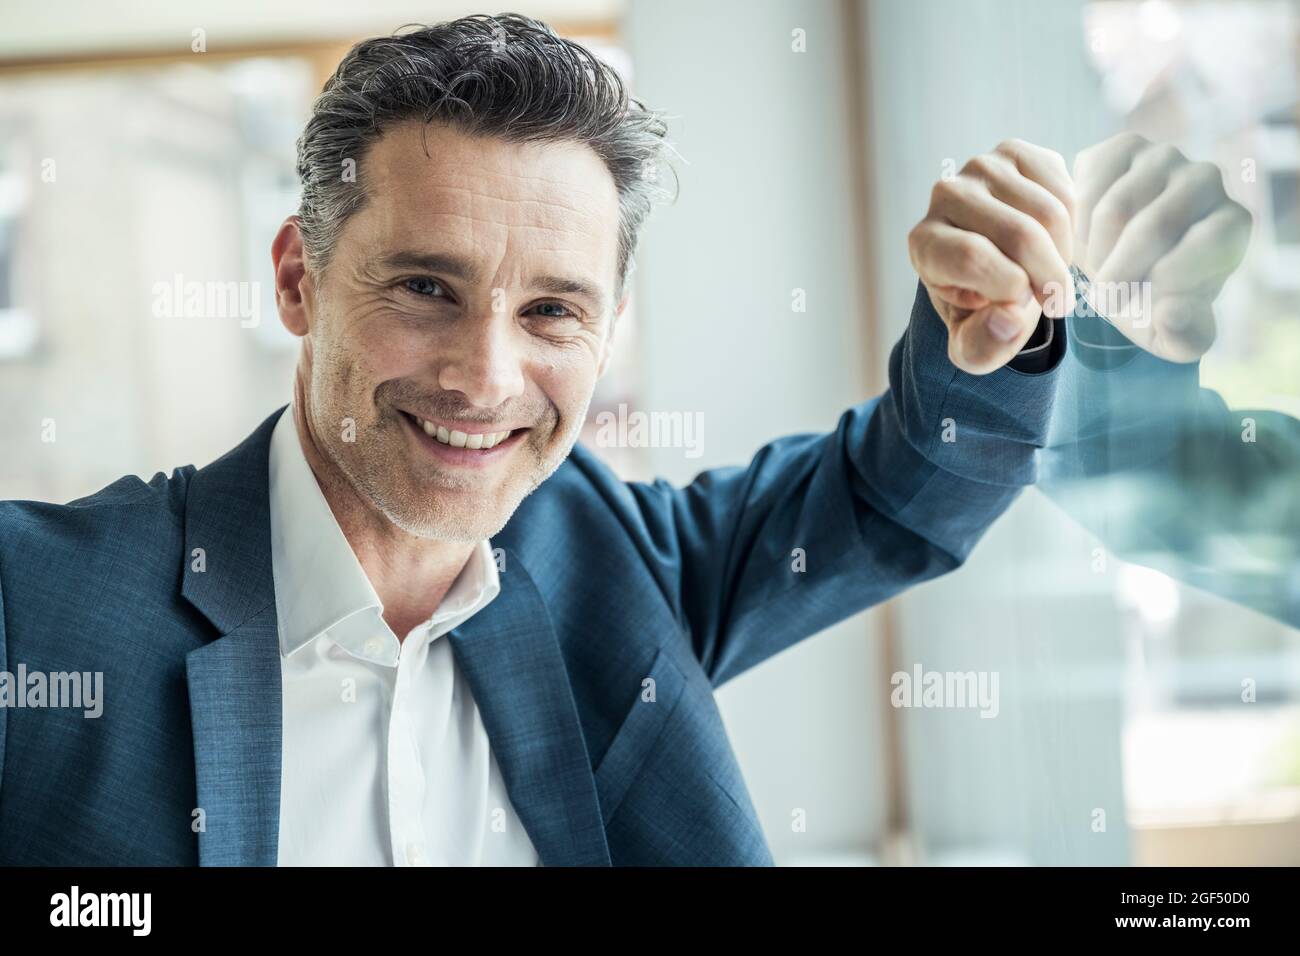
(564, 195)
(538, 213)
(483, 233)
(474, 172)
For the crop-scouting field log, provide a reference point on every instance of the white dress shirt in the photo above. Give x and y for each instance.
(385, 760)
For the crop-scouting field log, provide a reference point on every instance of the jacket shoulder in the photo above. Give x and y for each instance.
(130, 512)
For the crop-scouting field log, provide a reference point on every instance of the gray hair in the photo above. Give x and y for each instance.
(507, 76)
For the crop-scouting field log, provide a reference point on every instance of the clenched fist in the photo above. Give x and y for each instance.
(994, 251)
(1151, 219)
(1155, 233)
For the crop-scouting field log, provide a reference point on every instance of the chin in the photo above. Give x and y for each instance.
(450, 524)
(441, 528)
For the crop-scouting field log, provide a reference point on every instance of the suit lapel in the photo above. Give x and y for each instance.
(235, 713)
(234, 681)
(510, 656)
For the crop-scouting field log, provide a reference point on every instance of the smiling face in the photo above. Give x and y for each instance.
(470, 296)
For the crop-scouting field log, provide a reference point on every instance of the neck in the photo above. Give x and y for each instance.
(410, 574)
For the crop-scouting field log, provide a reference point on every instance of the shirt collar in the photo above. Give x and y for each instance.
(320, 586)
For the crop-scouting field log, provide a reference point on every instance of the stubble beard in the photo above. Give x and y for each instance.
(423, 512)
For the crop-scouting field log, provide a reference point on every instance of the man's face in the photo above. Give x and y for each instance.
(472, 292)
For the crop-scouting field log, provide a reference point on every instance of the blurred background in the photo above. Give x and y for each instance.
(147, 145)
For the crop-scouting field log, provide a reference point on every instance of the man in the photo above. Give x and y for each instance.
(408, 621)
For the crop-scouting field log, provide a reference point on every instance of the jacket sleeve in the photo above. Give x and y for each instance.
(1168, 476)
(818, 527)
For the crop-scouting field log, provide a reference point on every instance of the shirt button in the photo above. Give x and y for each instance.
(373, 645)
(413, 855)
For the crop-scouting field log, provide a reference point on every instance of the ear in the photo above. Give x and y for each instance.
(607, 350)
(293, 283)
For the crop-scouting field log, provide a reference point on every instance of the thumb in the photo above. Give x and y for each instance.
(990, 337)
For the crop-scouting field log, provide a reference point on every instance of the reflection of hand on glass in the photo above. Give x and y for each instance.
(1152, 222)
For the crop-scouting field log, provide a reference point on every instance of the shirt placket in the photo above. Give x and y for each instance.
(406, 783)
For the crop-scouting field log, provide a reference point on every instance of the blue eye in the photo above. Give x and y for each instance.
(422, 287)
(564, 313)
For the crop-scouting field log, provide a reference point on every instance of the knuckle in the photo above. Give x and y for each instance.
(1083, 159)
(1163, 156)
(1128, 140)
(1207, 176)
(945, 191)
(982, 165)
(1010, 147)
(1199, 179)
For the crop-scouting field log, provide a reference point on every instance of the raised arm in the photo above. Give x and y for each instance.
(819, 526)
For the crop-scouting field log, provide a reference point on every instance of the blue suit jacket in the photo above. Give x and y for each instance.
(605, 584)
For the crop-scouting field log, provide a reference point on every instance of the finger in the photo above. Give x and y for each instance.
(1022, 239)
(989, 338)
(1194, 192)
(948, 258)
(1046, 168)
(1182, 327)
(1006, 182)
(959, 297)
(1206, 255)
(1136, 189)
(1095, 171)
(1185, 283)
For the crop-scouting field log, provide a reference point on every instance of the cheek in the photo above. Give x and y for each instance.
(363, 362)
(568, 381)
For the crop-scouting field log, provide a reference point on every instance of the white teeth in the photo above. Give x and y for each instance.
(481, 440)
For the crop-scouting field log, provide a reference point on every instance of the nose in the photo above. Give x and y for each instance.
(484, 363)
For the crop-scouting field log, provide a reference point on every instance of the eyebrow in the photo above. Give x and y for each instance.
(461, 268)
